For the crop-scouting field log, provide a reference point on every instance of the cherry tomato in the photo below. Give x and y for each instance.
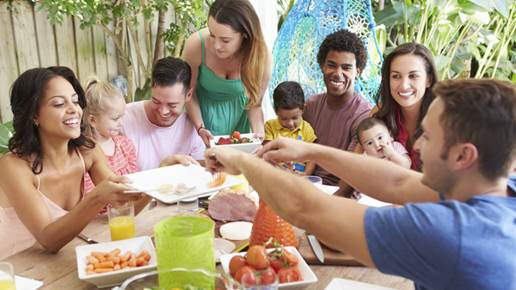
(246, 276)
(276, 264)
(289, 258)
(235, 264)
(267, 276)
(290, 274)
(257, 257)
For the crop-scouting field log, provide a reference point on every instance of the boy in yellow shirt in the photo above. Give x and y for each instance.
(289, 103)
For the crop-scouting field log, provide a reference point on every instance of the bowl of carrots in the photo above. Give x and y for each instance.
(109, 264)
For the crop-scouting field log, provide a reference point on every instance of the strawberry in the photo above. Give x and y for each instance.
(235, 135)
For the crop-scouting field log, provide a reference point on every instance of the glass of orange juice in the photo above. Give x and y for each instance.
(121, 222)
(6, 276)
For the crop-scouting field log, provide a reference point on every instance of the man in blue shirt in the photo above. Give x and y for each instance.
(456, 228)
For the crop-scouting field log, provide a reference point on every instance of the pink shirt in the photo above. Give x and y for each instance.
(123, 160)
(15, 236)
(154, 143)
(335, 127)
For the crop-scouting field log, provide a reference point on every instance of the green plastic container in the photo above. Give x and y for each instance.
(185, 242)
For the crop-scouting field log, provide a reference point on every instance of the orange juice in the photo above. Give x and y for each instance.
(7, 285)
(122, 227)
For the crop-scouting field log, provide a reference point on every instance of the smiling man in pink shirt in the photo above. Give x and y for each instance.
(159, 127)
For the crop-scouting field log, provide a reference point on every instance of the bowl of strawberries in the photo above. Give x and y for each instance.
(243, 142)
(281, 266)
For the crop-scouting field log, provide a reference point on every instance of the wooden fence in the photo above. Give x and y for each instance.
(28, 40)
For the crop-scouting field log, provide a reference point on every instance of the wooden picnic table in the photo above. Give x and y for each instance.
(59, 271)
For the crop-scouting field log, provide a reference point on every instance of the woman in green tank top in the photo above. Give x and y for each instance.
(230, 71)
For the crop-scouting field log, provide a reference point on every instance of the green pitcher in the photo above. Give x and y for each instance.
(185, 242)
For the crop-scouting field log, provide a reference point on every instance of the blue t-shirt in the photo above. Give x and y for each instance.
(447, 245)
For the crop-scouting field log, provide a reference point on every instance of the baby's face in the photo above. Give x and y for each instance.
(290, 118)
(374, 139)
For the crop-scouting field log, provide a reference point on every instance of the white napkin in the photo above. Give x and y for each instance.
(369, 201)
(27, 283)
(338, 284)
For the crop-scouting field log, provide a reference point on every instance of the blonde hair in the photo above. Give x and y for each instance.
(97, 93)
(240, 15)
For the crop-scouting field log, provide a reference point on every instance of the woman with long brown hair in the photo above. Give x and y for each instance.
(408, 75)
(230, 70)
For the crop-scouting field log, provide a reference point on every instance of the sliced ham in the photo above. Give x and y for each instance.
(232, 205)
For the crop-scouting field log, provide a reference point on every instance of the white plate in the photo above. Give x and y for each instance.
(192, 175)
(328, 189)
(236, 231)
(306, 273)
(339, 284)
(222, 247)
(102, 280)
(27, 283)
(245, 147)
(369, 201)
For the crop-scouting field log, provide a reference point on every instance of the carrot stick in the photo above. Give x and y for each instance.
(103, 270)
(107, 264)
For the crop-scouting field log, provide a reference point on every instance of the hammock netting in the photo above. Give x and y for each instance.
(306, 26)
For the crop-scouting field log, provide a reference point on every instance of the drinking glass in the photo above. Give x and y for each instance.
(121, 222)
(6, 276)
(188, 205)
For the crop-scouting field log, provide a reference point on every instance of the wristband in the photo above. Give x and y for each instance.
(199, 129)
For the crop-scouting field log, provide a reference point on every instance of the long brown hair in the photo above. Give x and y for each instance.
(388, 107)
(240, 15)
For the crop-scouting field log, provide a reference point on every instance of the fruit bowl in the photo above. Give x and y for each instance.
(244, 147)
(307, 275)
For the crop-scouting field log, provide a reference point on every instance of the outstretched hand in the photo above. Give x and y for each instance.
(185, 160)
(223, 159)
(112, 190)
(284, 150)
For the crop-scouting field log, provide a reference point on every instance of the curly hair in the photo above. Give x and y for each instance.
(26, 93)
(343, 41)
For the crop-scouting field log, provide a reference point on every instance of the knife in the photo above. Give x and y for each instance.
(316, 247)
(87, 239)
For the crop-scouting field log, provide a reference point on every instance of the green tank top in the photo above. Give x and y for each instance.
(222, 101)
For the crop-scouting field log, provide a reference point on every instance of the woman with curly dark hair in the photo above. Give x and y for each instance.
(42, 175)
(408, 75)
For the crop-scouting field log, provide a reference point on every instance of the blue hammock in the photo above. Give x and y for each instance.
(306, 26)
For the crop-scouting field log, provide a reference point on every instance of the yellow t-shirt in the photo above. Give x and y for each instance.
(304, 132)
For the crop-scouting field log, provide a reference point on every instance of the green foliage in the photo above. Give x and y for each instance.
(189, 16)
(284, 7)
(119, 20)
(6, 132)
(469, 38)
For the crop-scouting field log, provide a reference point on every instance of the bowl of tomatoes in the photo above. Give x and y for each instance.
(243, 142)
(261, 266)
